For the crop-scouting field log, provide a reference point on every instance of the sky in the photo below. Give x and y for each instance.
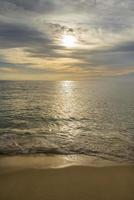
(33, 46)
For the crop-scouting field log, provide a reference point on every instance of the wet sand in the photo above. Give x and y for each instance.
(68, 183)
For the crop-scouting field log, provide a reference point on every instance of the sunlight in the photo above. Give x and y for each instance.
(69, 41)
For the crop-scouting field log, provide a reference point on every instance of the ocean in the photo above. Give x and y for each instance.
(93, 118)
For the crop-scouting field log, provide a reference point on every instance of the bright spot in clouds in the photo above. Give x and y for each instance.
(69, 41)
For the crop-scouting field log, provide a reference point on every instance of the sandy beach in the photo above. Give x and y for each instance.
(69, 183)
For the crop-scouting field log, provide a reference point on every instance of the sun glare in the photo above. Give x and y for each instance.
(69, 41)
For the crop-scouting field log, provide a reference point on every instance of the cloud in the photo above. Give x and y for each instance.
(20, 35)
(31, 31)
(37, 43)
(127, 46)
(38, 6)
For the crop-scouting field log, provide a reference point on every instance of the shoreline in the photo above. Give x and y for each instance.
(45, 161)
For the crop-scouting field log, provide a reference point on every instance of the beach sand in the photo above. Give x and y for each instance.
(66, 183)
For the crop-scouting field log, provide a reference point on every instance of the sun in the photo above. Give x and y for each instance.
(69, 41)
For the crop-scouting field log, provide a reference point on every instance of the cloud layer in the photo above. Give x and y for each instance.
(31, 32)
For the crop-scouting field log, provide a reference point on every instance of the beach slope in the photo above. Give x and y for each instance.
(69, 183)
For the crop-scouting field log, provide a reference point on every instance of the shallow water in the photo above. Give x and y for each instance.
(68, 117)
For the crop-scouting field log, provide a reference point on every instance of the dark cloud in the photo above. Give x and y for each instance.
(20, 35)
(124, 47)
(47, 5)
(10, 65)
(38, 6)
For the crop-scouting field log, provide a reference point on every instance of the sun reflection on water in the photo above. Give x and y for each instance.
(67, 98)
(65, 107)
(67, 86)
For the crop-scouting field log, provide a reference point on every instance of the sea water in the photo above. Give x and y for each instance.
(93, 118)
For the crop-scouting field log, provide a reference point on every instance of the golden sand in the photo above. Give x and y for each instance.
(68, 183)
